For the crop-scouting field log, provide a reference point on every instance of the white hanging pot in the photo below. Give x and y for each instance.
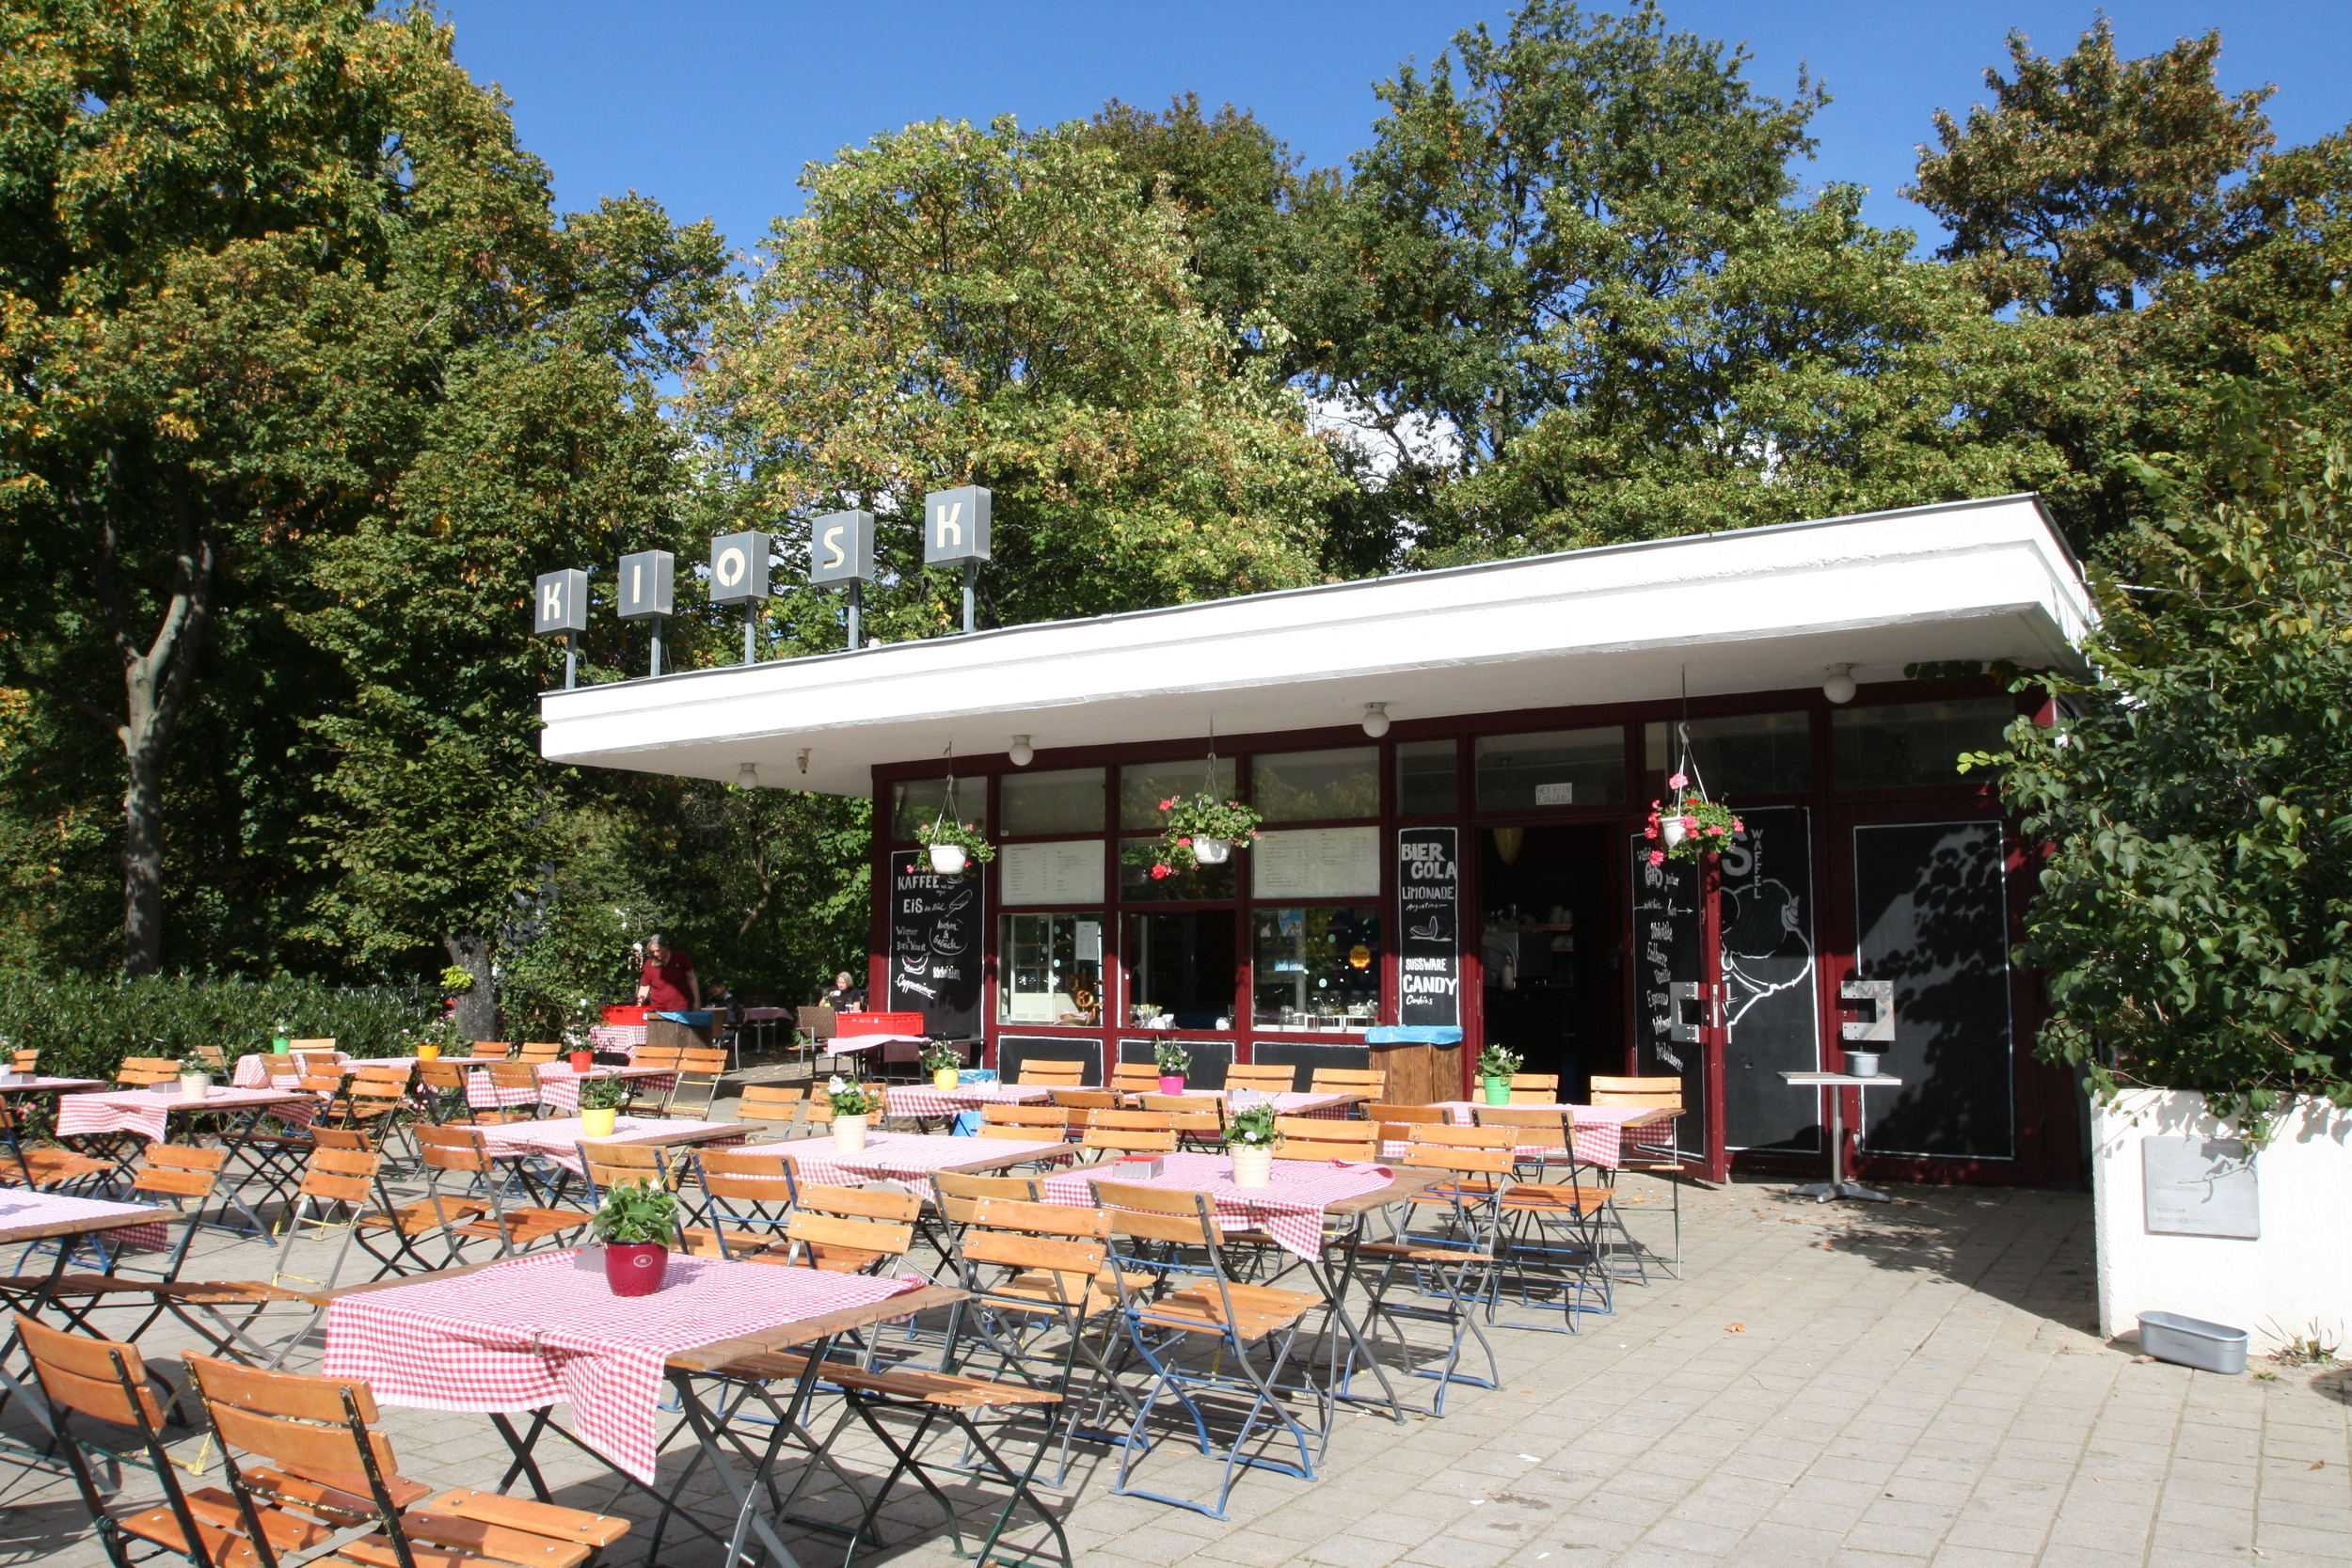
(1669, 828)
(1211, 851)
(948, 859)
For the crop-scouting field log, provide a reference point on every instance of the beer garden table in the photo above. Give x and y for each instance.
(911, 1158)
(30, 1216)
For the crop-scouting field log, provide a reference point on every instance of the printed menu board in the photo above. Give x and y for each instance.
(935, 931)
(1317, 862)
(1032, 874)
(1429, 923)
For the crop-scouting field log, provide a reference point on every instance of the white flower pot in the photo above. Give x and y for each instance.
(1211, 851)
(849, 1133)
(1253, 1164)
(948, 859)
(1671, 829)
(195, 1086)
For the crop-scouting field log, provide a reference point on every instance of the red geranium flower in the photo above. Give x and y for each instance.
(1658, 857)
(1158, 871)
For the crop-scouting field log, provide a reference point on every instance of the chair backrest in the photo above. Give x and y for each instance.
(393, 1073)
(316, 1427)
(1534, 1088)
(702, 1059)
(212, 1056)
(441, 1076)
(1132, 1140)
(24, 1061)
(850, 1230)
(1052, 1071)
(98, 1378)
(138, 1071)
(1059, 1247)
(1269, 1077)
(1521, 1115)
(818, 1023)
(329, 1084)
(340, 1174)
(1320, 1138)
(326, 1044)
(773, 1104)
(454, 1148)
(1447, 1135)
(1135, 1077)
(1086, 1099)
(540, 1050)
(514, 1075)
(1005, 1114)
(1159, 1214)
(315, 1063)
(492, 1051)
(1349, 1080)
(1396, 1121)
(352, 1139)
(1194, 1114)
(957, 1191)
(664, 1057)
(746, 1175)
(618, 1164)
(1661, 1092)
(175, 1170)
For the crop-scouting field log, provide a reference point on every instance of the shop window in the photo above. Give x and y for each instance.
(1049, 969)
(1559, 767)
(1310, 786)
(1426, 781)
(1316, 968)
(1180, 970)
(1143, 786)
(1908, 744)
(1747, 754)
(1068, 801)
(917, 801)
(1201, 884)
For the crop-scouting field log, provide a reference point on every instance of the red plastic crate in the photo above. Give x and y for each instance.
(625, 1015)
(879, 1023)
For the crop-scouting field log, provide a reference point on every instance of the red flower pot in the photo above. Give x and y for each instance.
(1171, 1082)
(582, 1060)
(635, 1268)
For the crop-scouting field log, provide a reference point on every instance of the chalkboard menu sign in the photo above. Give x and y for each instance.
(936, 928)
(1665, 951)
(1429, 923)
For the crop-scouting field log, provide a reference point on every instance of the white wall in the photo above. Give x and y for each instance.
(2295, 1279)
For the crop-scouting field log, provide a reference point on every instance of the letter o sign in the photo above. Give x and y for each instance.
(731, 568)
(738, 568)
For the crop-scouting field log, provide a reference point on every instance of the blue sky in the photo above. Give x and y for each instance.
(712, 108)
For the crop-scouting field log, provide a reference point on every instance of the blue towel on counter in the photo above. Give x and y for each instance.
(692, 1021)
(1413, 1034)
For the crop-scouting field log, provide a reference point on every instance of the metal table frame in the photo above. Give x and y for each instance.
(1838, 1185)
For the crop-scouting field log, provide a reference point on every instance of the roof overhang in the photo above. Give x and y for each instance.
(1759, 610)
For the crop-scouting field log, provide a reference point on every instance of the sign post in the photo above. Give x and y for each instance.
(738, 574)
(646, 582)
(841, 549)
(560, 605)
(955, 532)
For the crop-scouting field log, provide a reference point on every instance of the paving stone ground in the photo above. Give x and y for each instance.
(1919, 1383)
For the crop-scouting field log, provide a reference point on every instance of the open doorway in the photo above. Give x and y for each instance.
(1553, 950)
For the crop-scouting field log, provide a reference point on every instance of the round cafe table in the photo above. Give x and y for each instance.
(1838, 1186)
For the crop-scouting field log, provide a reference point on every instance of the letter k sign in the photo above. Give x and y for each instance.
(956, 526)
(947, 527)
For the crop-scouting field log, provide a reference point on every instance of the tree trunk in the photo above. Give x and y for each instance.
(477, 1012)
(156, 681)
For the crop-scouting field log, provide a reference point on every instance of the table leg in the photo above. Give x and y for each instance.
(1837, 1187)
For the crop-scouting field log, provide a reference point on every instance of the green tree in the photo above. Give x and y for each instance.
(2093, 181)
(960, 306)
(2195, 912)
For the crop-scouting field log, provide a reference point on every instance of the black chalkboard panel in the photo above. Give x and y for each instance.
(1013, 1050)
(1665, 951)
(1929, 915)
(1303, 1056)
(1428, 908)
(1771, 996)
(936, 925)
(1210, 1059)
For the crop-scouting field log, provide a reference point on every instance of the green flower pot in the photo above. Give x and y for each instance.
(1498, 1091)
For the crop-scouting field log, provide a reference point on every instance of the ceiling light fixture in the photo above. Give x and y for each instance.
(1375, 719)
(1839, 687)
(1022, 753)
(747, 776)
(805, 750)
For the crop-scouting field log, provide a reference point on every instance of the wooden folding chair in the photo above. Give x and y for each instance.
(776, 1106)
(481, 1213)
(746, 1201)
(1534, 1088)
(301, 1447)
(1053, 1072)
(700, 1070)
(538, 1052)
(139, 1073)
(1650, 1151)
(1081, 1102)
(1396, 1122)
(848, 1230)
(517, 1090)
(1320, 1138)
(1552, 1223)
(26, 1062)
(1266, 1078)
(1131, 1131)
(47, 1167)
(1439, 1267)
(1348, 1080)
(1135, 1078)
(1198, 1119)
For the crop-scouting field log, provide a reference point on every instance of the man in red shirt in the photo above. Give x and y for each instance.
(669, 984)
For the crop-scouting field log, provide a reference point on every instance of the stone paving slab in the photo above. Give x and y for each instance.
(1915, 1385)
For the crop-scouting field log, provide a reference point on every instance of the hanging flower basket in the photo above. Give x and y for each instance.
(1196, 830)
(1690, 826)
(953, 844)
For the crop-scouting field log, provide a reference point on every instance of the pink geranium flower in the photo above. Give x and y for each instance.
(1658, 857)
(1650, 832)
(1167, 805)
(1677, 782)
(1158, 872)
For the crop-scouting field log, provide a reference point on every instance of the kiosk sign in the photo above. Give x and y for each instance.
(1429, 909)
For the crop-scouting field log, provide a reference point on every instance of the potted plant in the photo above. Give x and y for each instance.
(636, 1224)
(1195, 830)
(1175, 1059)
(281, 1038)
(1692, 825)
(853, 1104)
(600, 1103)
(437, 1036)
(196, 1081)
(1496, 1063)
(1251, 1140)
(945, 1063)
(953, 844)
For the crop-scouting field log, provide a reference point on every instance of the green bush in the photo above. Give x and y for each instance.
(83, 1026)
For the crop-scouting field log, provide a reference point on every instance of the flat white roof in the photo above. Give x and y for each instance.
(1756, 609)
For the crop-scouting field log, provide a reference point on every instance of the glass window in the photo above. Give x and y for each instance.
(1316, 968)
(1308, 787)
(1562, 767)
(1049, 969)
(1180, 970)
(919, 800)
(1136, 885)
(1424, 777)
(1914, 743)
(1064, 803)
(1748, 753)
(1143, 786)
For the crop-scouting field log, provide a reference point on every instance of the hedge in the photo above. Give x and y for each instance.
(83, 1026)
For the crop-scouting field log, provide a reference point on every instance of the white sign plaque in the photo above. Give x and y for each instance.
(1317, 862)
(2200, 1187)
(1034, 873)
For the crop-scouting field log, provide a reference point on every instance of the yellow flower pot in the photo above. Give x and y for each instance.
(428, 1054)
(946, 1078)
(598, 1123)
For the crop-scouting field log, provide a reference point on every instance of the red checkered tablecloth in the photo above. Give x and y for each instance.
(1290, 1210)
(1289, 1103)
(623, 1037)
(908, 1157)
(1597, 1135)
(25, 1211)
(559, 1087)
(148, 1114)
(922, 1100)
(546, 1330)
(559, 1140)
